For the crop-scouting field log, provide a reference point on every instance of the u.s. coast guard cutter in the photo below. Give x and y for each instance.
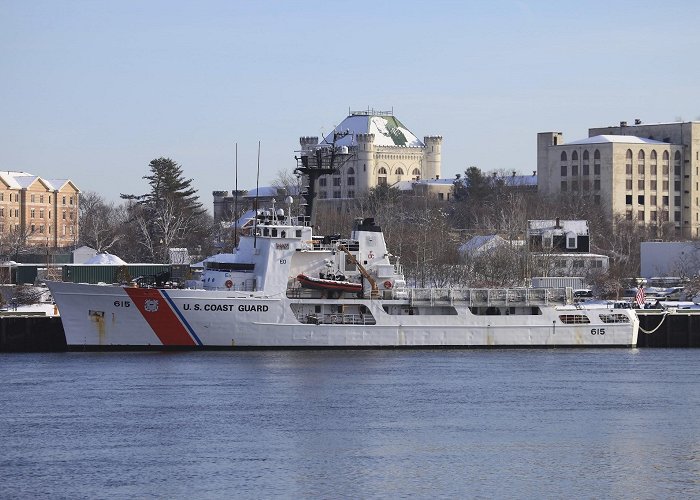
(285, 287)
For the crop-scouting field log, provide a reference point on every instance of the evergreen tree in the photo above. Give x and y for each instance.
(168, 183)
(170, 215)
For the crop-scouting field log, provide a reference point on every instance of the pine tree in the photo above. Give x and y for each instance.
(168, 216)
(168, 183)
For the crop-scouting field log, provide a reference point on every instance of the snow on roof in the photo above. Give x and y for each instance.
(106, 259)
(478, 242)
(56, 183)
(576, 226)
(262, 192)
(625, 139)
(387, 130)
(26, 180)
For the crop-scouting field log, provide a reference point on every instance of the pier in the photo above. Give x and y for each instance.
(669, 328)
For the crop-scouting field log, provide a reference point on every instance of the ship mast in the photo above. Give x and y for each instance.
(324, 159)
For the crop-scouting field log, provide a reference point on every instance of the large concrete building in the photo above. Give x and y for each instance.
(38, 211)
(649, 173)
(383, 151)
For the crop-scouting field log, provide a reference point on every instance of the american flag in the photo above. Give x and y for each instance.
(639, 298)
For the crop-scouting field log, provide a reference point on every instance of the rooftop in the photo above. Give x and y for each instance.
(605, 139)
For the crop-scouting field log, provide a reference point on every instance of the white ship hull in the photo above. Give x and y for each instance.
(114, 317)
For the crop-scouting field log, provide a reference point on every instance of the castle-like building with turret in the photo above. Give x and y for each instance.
(383, 152)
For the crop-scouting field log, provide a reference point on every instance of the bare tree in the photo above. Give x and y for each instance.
(101, 223)
(162, 227)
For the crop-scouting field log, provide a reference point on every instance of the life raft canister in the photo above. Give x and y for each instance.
(388, 284)
(229, 283)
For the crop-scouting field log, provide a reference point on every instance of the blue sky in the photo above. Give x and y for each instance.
(93, 90)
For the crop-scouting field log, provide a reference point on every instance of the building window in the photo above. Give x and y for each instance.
(628, 162)
(596, 185)
(351, 181)
(578, 264)
(32, 198)
(41, 213)
(351, 194)
(71, 200)
(640, 162)
(652, 200)
(381, 179)
(628, 184)
(563, 156)
(336, 181)
(676, 216)
(399, 172)
(32, 213)
(652, 215)
(640, 215)
(41, 229)
(2, 196)
(596, 199)
(677, 201)
(664, 185)
(563, 170)
(628, 199)
(32, 228)
(586, 185)
(415, 174)
(653, 185)
(665, 201)
(563, 186)
(677, 163)
(41, 198)
(640, 184)
(640, 199)
(321, 194)
(64, 200)
(676, 185)
(574, 170)
(336, 194)
(322, 182)
(586, 169)
(64, 215)
(574, 185)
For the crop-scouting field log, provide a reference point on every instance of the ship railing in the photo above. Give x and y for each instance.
(243, 287)
(337, 319)
(488, 296)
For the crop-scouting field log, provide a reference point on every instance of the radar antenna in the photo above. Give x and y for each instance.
(324, 159)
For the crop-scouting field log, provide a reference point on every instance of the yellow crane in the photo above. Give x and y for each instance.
(374, 294)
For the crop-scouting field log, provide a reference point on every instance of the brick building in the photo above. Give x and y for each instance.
(41, 212)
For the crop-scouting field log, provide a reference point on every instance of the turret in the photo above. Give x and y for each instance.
(365, 161)
(432, 164)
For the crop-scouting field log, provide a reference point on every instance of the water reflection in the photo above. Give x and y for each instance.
(599, 423)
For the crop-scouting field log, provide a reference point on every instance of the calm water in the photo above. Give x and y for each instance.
(490, 424)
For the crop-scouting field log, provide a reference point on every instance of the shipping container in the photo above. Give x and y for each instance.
(81, 273)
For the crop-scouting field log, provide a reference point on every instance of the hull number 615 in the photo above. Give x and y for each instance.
(597, 331)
